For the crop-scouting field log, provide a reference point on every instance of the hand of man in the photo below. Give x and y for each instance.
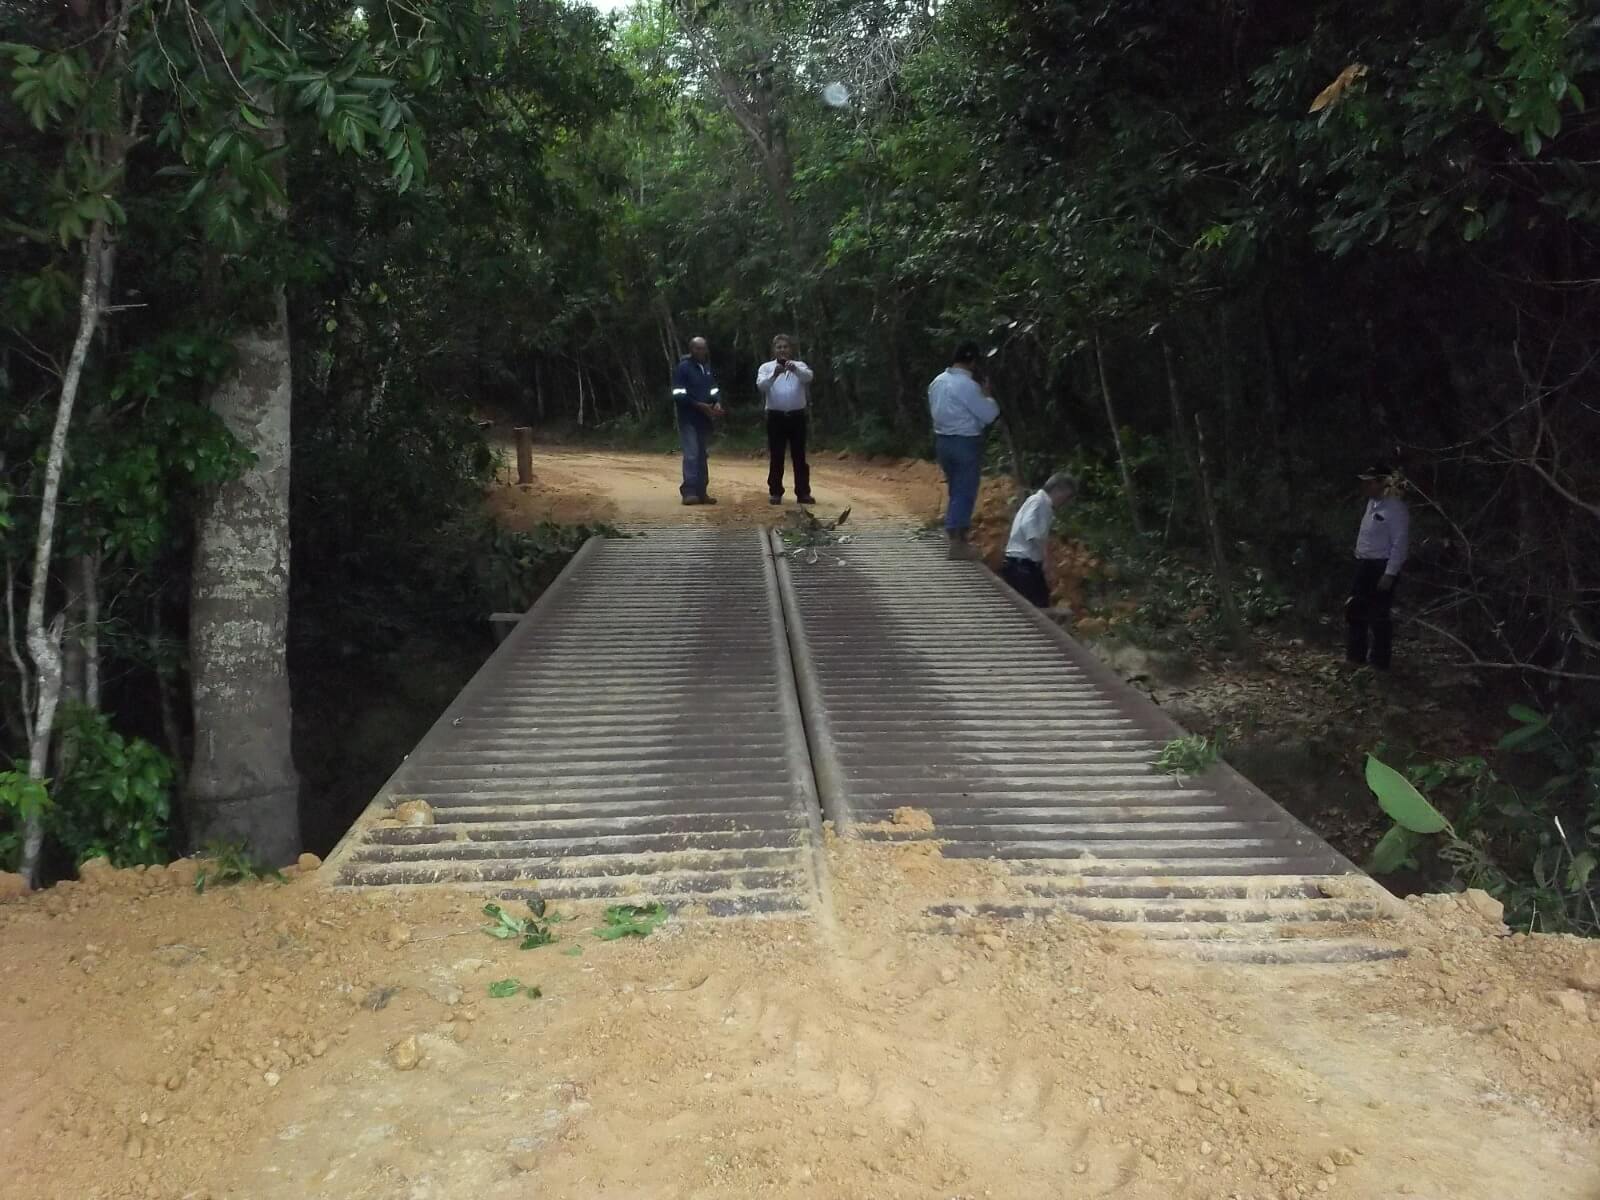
(1386, 584)
(718, 411)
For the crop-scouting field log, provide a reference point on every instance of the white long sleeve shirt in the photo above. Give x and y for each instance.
(1385, 533)
(786, 392)
(1031, 527)
(958, 406)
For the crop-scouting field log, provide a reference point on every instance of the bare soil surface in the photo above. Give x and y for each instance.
(576, 486)
(270, 1041)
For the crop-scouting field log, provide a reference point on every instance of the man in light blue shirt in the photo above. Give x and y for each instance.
(1382, 545)
(962, 411)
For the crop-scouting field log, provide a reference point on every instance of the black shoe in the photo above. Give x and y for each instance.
(807, 499)
(708, 499)
(693, 500)
(774, 499)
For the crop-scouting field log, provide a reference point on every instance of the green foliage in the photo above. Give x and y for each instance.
(805, 536)
(1188, 755)
(21, 799)
(114, 795)
(1177, 601)
(230, 863)
(1397, 797)
(1525, 828)
(504, 989)
(533, 931)
(631, 920)
(508, 569)
(1393, 851)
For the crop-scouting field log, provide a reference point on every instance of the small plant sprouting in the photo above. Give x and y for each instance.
(1190, 755)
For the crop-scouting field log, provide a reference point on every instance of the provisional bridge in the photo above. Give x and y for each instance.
(681, 710)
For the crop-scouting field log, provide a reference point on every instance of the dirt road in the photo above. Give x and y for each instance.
(286, 1042)
(572, 486)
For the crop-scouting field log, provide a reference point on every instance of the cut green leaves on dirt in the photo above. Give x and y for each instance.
(631, 920)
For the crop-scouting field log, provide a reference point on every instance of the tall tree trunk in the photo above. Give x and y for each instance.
(242, 783)
(1194, 452)
(1116, 438)
(44, 638)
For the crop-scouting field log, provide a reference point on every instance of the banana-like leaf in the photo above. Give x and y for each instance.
(1392, 851)
(1401, 801)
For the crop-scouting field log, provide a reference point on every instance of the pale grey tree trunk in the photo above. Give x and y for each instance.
(242, 783)
(44, 635)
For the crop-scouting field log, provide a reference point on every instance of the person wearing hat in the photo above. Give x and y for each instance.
(1381, 548)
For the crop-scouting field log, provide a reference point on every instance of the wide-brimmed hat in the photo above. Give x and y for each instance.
(1378, 470)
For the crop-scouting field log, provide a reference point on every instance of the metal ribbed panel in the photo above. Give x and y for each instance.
(927, 683)
(636, 734)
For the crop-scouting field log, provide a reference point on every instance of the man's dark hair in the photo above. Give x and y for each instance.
(967, 353)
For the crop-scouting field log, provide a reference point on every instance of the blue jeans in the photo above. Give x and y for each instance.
(696, 474)
(961, 460)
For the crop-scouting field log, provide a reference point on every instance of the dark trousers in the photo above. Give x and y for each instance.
(1027, 577)
(787, 431)
(1366, 613)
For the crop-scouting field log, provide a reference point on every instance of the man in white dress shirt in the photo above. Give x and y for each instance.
(1381, 548)
(785, 382)
(1030, 533)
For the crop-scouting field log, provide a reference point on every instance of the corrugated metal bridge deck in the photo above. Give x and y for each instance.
(636, 734)
(642, 732)
(930, 684)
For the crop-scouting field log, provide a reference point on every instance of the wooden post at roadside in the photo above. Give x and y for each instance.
(524, 454)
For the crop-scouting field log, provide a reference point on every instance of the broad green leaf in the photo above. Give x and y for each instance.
(1528, 716)
(1524, 733)
(1401, 801)
(1392, 851)
(219, 147)
(1582, 867)
(500, 989)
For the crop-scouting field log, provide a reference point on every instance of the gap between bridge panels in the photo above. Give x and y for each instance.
(930, 684)
(636, 735)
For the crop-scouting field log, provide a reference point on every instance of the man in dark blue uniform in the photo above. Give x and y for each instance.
(695, 390)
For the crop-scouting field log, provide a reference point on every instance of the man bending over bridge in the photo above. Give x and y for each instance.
(1030, 532)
